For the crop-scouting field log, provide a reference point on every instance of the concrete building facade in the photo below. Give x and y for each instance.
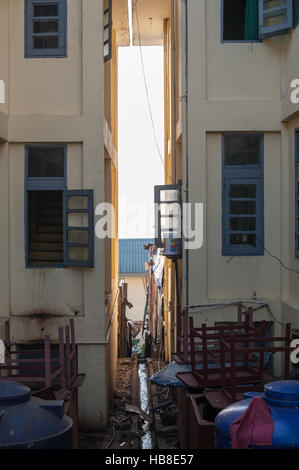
(58, 155)
(229, 85)
(240, 88)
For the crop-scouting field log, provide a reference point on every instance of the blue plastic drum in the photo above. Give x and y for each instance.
(282, 397)
(31, 423)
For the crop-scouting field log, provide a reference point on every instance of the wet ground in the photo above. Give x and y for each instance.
(143, 415)
(146, 440)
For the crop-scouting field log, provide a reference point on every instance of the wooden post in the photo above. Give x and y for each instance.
(73, 349)
(8, 345)
(47, 361)
(61, 356)
(192, 345)
(185, 337)
(240, 307)
(233, 369)
(262, 354)
(287, 352)
(205, 363)
(68, 356)
(246, 344)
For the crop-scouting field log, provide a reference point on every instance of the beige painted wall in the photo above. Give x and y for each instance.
(290, 114)
(59, 101)
(289, 72)
(51, 291)
(46, 86)
(290, 279)
(237, 79)
(229, 277)
(4, 51)
(136, 295)
(229, 97)
(241, 87)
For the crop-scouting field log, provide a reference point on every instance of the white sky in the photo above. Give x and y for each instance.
(140, 167)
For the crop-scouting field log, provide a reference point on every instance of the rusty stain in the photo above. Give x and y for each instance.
(41, 316)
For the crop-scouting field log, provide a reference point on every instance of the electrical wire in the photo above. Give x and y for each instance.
(148, 97)
(280, 322)
(207, 308)
(280, 261)
(114, 430)
(158, 394)
(112, 439)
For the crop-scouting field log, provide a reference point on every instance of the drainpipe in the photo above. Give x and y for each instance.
(184, 98)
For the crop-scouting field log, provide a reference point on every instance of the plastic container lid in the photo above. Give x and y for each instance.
(282, 393)
(11, 392)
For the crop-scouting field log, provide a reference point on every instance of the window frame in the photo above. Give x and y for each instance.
(158, 217)
(90, 229)
(57, 184)
(265, 32)
(40, 184)
(243, 174)
(234, 41)
(30, 51)
(296, 193)
(109, 27)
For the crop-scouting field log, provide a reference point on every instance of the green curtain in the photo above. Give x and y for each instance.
(252, 20)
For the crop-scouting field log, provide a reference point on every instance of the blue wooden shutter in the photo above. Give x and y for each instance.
(243, 195)
(107, 30)
(297, 193)
(275, 17)
(243, 230)
(78, 234)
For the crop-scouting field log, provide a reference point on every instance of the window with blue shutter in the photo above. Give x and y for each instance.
(59, 224)
(297, 191)
(254, 20)
(276, 17)
(45, 28)
(243, 195)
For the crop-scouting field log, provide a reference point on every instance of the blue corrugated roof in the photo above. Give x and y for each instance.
(132, 255)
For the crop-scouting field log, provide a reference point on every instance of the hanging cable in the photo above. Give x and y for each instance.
(279, 260)
(260, 305)
(147, 96)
